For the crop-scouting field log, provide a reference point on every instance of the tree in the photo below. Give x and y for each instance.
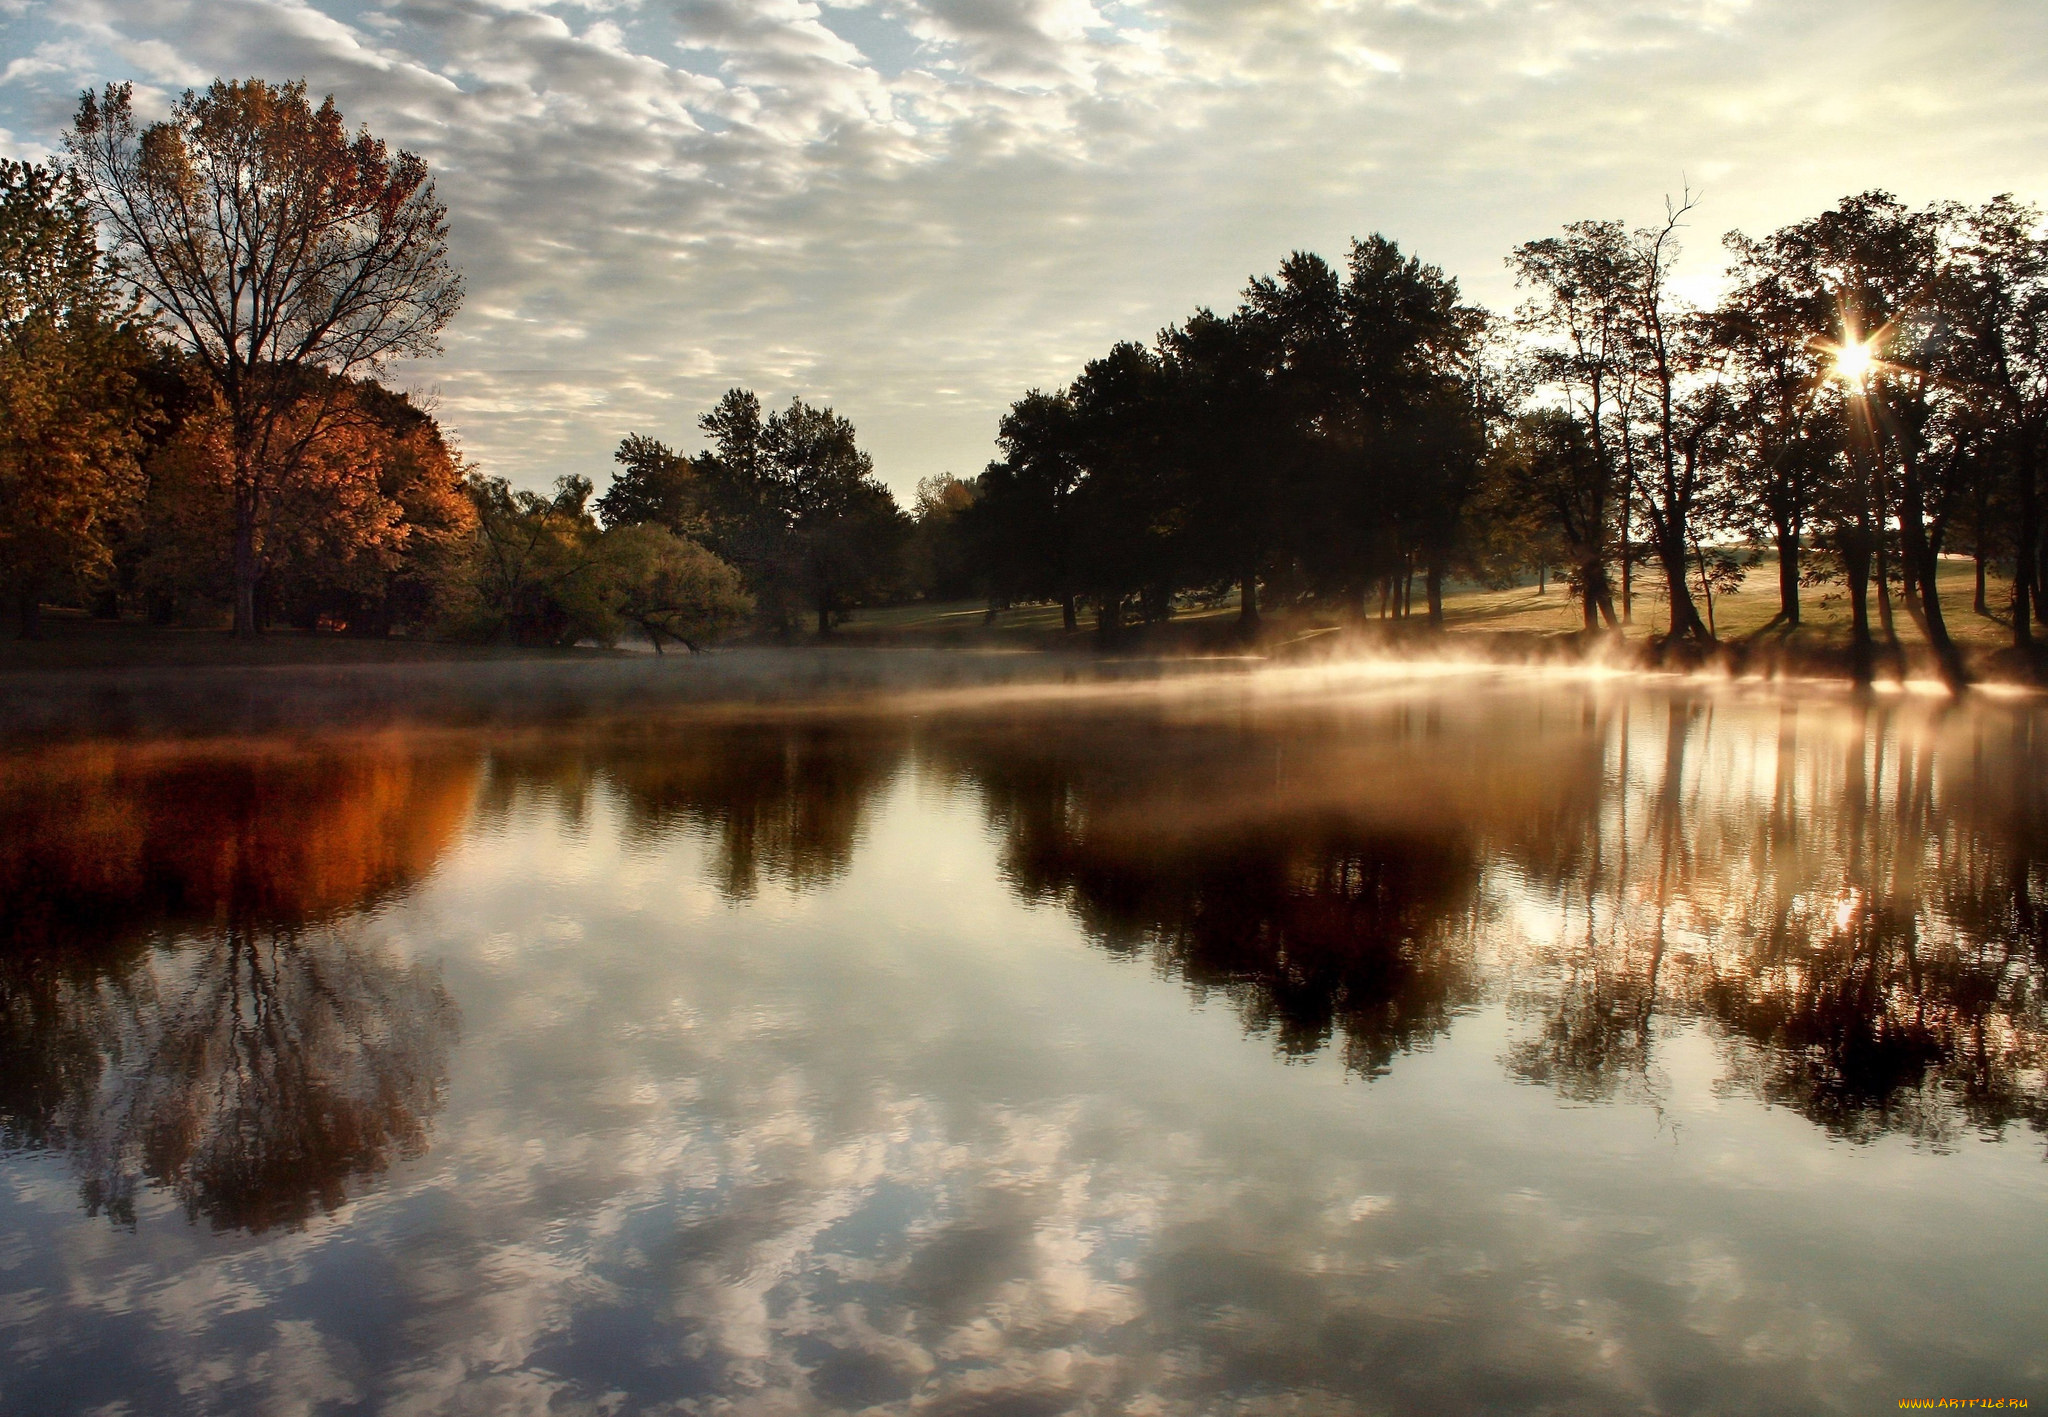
(72, 405)
(539, 576)
(367, 532)
(846, 533)
(272, 246)
(790, 499)
(1580, 322)
(1670, 353)
(1132, 500)
(1415, 355)
(1785, 437)
(1547, 461)
(942, 555)
(655, 484)
(1026, 522)
(670, 588)
(1233, 437)
(1999, 300)
(1872, 267)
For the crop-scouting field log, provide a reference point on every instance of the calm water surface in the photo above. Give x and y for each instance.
(1470, 1044)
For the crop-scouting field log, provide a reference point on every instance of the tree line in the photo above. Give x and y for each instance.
(1866, 396)
(196, 315)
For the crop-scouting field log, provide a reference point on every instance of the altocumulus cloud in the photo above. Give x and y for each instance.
(915, 209)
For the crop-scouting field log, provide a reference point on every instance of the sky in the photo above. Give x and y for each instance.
(915, 210)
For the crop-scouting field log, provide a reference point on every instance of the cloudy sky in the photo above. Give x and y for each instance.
(916, 209)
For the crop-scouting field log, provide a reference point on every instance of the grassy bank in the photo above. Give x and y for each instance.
(1519, 622)
(72, 641)
(1523, 622)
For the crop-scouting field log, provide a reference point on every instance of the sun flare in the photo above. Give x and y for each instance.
(1853, 361)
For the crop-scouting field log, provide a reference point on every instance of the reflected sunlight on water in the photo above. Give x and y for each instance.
(1476, 1041)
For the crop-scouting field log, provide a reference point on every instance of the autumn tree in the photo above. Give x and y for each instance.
(368, 530)
(72, 407)
(274, 247)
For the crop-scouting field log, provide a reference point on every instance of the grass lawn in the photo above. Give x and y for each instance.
(1744, 621)
(1749, 613)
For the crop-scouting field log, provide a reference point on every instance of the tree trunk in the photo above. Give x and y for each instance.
(1919, 554)
(1855, 549)
(1433, 589)
(1070, 616)
(2025, 555)
(1628, 559)
(245, 568)
(1589, 587)
(28, 605)
(1788, 576)
(1248, 600)
(1109, 617)
(1884, 590)
(824, 618)
(1542, 574)
(1685, 615)
(1932, 623)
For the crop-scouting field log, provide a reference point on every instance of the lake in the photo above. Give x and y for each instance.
(1381, 1041)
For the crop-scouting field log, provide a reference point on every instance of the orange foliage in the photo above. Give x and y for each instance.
(107, 837)
(363, 531)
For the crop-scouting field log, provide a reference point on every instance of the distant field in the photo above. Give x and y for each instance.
(1823, 610)
(1522, 612)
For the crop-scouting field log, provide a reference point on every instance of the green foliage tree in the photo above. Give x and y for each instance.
(1025, 524)
(669, 588)
(940, 559)
(790, 499)
(654, 484)
(538, 577)
(1998, 298)
(546, 573)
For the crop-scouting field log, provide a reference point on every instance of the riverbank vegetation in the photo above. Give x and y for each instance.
(199, 433)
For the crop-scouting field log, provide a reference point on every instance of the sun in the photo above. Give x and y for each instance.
(1854, 361)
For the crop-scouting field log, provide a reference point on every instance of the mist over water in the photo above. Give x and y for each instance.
(1328, 1039)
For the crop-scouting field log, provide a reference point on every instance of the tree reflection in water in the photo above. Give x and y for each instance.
(1315, 922)
(782, 802)
(1850, 899)
(183, 1001)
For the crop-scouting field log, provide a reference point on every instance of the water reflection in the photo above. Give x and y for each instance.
(252, 1074)
(784, 802)
(1851, 897)
(102, 840)
(839, 1062)
(181, 1005)
(1192, 845)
